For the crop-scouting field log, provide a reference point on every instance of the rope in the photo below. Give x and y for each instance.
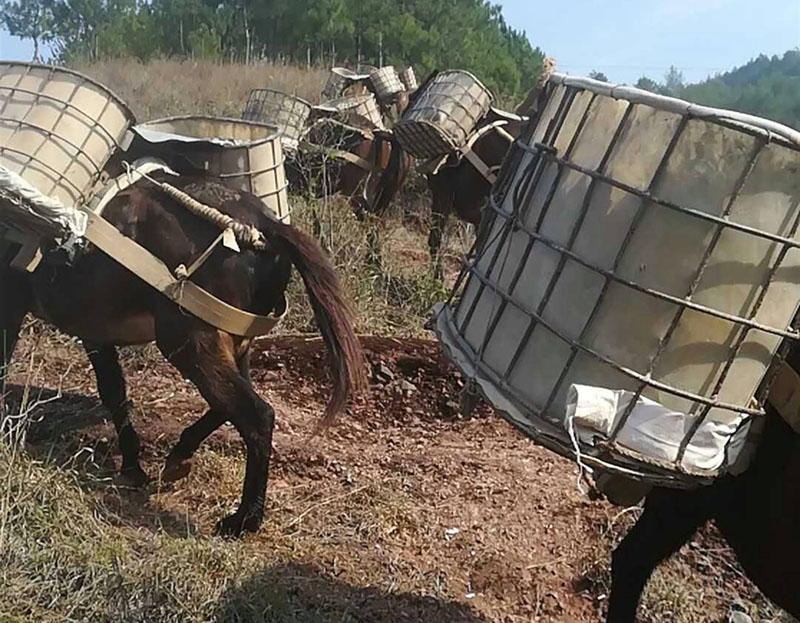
(245, 234)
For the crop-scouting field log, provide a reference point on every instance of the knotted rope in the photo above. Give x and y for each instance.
(245, 234)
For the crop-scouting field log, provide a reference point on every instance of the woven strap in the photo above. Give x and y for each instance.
(341, 155)
(490, 173)
(183, 292)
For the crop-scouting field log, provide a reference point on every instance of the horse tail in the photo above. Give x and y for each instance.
(332, 311)
(392, 176)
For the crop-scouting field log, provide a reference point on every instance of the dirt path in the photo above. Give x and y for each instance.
(400, 496)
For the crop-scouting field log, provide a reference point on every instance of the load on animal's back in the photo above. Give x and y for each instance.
(460, 140)
(196, 265)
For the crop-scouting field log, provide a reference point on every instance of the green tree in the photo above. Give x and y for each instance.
(29, 19)
(598, 75)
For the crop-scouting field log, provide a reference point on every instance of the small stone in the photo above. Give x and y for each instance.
(738, 606)
(407, 387)
(381, 373)
(739, 617)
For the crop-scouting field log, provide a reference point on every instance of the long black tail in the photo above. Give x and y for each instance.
(332, 311)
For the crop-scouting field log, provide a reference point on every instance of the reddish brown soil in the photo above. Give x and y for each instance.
(401, 493)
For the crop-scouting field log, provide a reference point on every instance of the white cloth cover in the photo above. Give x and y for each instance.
(44, 206)
(651, 431)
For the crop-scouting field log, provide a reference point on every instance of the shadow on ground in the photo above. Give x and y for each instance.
(294, 593)
(62, 431)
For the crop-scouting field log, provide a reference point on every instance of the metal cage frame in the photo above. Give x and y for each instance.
(74, 153)
(538, 156)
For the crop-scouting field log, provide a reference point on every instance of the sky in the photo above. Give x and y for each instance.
(626, 39)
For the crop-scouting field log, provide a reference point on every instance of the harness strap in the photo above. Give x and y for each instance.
(490, 173)
(342, 155)
(185, 293)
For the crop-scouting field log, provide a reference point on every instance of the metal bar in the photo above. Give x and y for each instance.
(556, 442)
(46, 166)
(737, 346)
(554, 278)
(561, 114)
(668, 204)
(66, 104)
(698, 276)
(618, 367)
(611, 275)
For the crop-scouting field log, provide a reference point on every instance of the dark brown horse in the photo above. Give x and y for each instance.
(106, 306)
(457, 186)
(758, 513)
(366, 166)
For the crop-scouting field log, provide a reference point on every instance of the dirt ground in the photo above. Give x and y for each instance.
(402, 511)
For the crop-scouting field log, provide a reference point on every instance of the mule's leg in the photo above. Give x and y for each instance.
(670, 517)
(206, 357)
(15, 302)
(114, 396)
(179, 462)
(361, 208)
(439, 215)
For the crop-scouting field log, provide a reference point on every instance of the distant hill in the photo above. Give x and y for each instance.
(767, 87)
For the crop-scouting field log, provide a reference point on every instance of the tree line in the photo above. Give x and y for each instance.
(428, 34)
(766, 86)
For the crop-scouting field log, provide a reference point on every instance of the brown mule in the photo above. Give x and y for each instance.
(757, 512)
(106, 306)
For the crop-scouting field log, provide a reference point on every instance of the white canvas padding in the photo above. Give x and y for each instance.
(48, 208)
(651, 431)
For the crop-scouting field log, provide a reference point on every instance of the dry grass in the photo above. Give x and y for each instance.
(355, 521)
(164, 88)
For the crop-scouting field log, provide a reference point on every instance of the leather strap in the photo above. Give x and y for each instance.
(342, 155)
(183, 292)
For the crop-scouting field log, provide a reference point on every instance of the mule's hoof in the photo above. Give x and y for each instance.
(234, 526)
(132, 477)
(175, 469)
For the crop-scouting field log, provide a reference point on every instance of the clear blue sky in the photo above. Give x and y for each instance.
(628, 38)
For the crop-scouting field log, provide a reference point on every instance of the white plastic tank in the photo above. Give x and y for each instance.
(640, 254)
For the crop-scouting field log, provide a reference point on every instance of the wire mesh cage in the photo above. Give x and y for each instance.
(635, 274)
(339, 79)
(358, 110)
(409, 79)
(244, 154)
(288, 113)
(58, 129)
(442, 116)
(386, 82)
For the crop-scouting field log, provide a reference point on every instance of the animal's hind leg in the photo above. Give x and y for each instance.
(15, 301)
(114, 396)
(206, 357)
(179, 462)
(438, 223)
(670, 518)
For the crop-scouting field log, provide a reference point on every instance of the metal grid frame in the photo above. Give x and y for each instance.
(444, 115)
(288, 112)
(359, 106)
(277, 198)
(75, 152)
(542, 154)
(409, 79)
(386, 82)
